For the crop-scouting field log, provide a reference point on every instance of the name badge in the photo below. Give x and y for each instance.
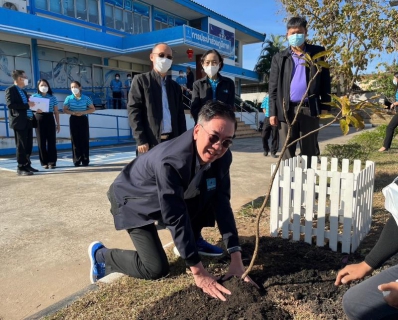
(211, 184)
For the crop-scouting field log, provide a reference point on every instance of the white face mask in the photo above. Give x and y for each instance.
(25, 82)
(43, 89)
(162, 64)
(128, 78)
(117, 78)
(75, 90)
(211, 70)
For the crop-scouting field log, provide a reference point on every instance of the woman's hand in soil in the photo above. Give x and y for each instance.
(353, 272)
(208, 282)
(392, 297)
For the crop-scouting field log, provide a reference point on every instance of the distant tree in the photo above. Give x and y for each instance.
(270, 47)
(381, 82)
(356, 31)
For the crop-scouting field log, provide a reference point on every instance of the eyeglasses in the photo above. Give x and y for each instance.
(209, 62)
(213, 139)
(162, 55)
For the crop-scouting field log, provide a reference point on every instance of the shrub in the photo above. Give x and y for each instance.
(350, 151)
(372, 138)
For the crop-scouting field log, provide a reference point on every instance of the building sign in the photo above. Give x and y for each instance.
(222, 33)
(205, 40)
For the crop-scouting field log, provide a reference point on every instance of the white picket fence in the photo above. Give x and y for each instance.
(331, 205)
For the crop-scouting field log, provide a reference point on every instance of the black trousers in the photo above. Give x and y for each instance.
(390, 132)
(80, 136)
(117, 100)
(266, 133)
(46, 138)
(149, 260)
(305, 124)
(24, 144)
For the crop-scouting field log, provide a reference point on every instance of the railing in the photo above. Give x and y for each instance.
(4, 120)
(118, 138)
(244, 108)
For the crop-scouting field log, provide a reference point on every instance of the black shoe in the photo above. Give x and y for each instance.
(265, 153)
(273, 155)
(77, 164)
(85, 164)
(24, 171)
(31, 169)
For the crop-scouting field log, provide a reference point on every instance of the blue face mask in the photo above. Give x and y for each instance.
(296, 40)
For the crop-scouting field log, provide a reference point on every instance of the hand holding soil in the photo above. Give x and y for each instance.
(353, 272)
(208, 283)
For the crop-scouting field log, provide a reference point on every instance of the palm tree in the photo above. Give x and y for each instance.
(270, 47)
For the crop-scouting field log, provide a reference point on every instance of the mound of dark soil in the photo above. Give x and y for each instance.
(297, 279)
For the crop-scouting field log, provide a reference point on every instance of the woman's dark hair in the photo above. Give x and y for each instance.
(396, 74)
(117, 75)
(76, 82)
(297, 22)
(202, 60)
(216, 109)
(48, 85)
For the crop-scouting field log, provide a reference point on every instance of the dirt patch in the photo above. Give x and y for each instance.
(296, 279)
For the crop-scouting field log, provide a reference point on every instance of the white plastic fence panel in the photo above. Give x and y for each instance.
(287, 203)
(297, 202)
(309, 205)
(334, 210)
(274, 203)
(321, 220)
(348, 203)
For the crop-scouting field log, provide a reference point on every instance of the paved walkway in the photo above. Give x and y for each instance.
(48, 220)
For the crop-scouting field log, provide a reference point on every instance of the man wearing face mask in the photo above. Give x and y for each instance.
(22, 121)
(116, 87)
(213, 86)
(288, 83)
(155, 107)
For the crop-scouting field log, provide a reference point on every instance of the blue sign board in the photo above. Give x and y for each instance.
(203, 39)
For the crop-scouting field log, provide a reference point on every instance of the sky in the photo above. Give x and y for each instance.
(264, 16)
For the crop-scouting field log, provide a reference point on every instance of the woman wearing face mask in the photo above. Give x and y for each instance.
(79, 106)
(394, 121)
(213, 86)
(46, 126)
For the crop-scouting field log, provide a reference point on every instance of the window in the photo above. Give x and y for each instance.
(41, 4)
(69, 8)
(164, 20)
(118, 19)
(109, 16)
(81, 10)
(85, 10)
(93, 12)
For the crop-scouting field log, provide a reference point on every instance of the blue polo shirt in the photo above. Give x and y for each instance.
(182, 81)
(116, 85)
(53, 100)
(76, 104)
(265, 106)
(29, 112)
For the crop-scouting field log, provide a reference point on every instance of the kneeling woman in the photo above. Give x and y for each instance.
(46, 126)
(79, 106)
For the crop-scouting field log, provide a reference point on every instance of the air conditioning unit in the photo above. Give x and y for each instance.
(16, 5)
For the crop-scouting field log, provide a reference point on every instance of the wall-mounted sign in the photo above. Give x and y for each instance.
(208, 41)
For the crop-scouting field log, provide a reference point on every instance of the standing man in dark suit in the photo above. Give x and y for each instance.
(185, 182)
(288, 83)
(155, 108)
(22, 121)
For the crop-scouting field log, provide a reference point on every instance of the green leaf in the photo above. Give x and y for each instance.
(321, 54)
(326, 116)
(344, 126)
(323, 64)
